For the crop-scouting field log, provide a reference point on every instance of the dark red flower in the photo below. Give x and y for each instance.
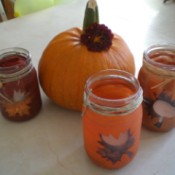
(97, 37)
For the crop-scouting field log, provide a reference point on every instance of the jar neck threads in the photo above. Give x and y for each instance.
(114, 103)
(160, 59)
(15, 63)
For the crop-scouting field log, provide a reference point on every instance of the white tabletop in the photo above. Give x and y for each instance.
(52, 142)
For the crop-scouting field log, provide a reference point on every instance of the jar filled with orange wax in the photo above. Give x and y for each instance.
(157, 78)
(112, 117)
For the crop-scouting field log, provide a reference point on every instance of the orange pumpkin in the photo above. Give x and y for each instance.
(66, 64)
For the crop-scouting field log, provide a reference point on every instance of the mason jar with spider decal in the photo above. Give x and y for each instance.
(112, 117)
(157, 78)
(19, 91)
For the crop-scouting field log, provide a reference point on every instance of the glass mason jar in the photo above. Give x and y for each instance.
(157, 78)
(19, 91)
(112, 117)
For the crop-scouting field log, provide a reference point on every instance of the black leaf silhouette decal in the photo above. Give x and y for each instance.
(113, 149)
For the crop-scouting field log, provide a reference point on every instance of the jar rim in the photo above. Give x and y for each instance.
(14, 70)
(159, 47)
(123, 104)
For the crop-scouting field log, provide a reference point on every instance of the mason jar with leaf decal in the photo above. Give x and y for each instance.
(19, 91)
(157, 78)
(112, 118)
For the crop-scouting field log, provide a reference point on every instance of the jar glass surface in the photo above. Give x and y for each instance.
(19, 91)
(112, 117)
(157, 78)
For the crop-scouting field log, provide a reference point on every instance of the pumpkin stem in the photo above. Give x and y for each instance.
(91, 14)
(96, 37)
